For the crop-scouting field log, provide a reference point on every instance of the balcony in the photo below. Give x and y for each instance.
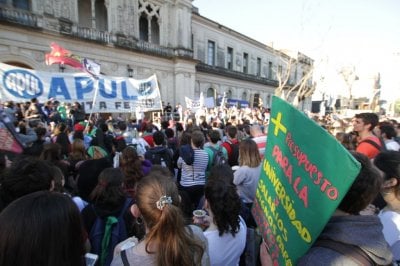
(202, 67)
(67, 27)
(151, 48)
(92, 34)
(20, 17)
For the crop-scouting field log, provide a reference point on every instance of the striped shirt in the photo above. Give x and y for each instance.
(261, 142)
(194, 174)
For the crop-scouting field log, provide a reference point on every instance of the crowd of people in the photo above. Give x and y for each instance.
(126, 190)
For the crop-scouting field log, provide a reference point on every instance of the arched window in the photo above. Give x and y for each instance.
(244, 96)
(144, 28)
(149, 27)
(211, 92)
(155, 31)
(18, 64)
(101, 15)
(229, 94)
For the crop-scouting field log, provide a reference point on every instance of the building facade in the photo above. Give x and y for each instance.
(189, 53)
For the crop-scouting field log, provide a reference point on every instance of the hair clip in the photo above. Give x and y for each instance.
(162, 201)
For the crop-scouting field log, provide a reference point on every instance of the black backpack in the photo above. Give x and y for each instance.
(234, 158)
(219, 157)
(162, 157)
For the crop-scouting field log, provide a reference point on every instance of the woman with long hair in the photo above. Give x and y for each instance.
(134, 168)
(108, 202)
(226, 234)
(60, 136)
(167, 242)
(41, 229)
(246, 176)
(52, 152)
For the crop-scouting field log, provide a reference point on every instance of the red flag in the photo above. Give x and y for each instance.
(59, 55)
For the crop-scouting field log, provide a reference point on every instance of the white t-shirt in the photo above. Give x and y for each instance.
(392, 145)
(225, 250)
(391, 225)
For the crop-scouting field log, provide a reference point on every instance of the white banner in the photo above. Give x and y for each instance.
(114, 94)
(192, 104)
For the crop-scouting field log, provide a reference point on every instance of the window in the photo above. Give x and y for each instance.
(245, 63)
(211, 53)
(270, 70)
(229, 58)
(144, 28)
(100, 16)
(85, 14)
(20, 4)
(258, 66)
(210, 92)
(149, 22)
(155, 31)
(280, 71)
(244, 96)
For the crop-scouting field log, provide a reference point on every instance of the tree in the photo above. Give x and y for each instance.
(349, 76)
(295, 90)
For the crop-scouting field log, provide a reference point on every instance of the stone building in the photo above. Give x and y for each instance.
(189, 53)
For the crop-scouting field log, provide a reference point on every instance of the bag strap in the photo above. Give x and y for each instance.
(373, 143)
(352, 251)
(124, 258)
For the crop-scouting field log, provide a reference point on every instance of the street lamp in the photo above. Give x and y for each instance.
(61, 67)
(130, 71)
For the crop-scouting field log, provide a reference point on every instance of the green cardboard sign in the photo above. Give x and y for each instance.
(305, 175)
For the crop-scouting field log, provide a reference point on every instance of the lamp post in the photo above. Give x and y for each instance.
(130, 71)
(61, 67)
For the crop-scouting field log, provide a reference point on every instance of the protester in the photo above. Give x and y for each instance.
(134, 168)
(109, 201)
(160, 154)
(259, 138)
(226, 233)
(25, 176)
(41, 229)
(167, 241)
(193, 164)
(232, 145)
(213, 148)
(247, 175)
(388, 134)
(389, 163)
(349, 231)
(368, 143)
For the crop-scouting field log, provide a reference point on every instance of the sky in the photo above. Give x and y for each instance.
(364, 34)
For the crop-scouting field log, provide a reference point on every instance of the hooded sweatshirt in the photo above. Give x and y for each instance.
(364, 231)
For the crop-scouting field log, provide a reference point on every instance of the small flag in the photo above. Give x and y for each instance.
(59, 55)
(91, 67)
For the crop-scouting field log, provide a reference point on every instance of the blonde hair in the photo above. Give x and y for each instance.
(175, 245)
(78, 150)
(248, 153)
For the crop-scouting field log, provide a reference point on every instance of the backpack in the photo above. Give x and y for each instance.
(234, 158)
(162, 157)
(381, 146)
(102, 246)
(219, 157)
